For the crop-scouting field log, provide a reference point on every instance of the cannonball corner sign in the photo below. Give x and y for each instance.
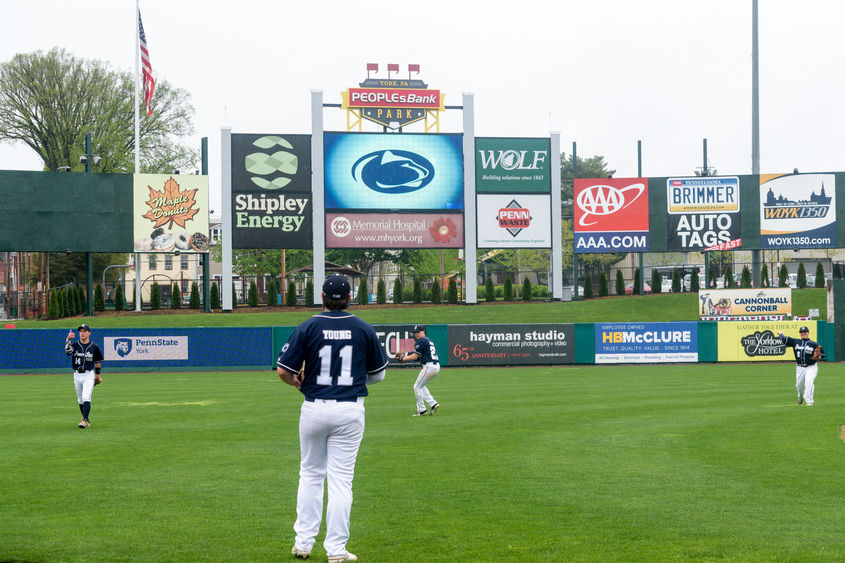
(393, 102)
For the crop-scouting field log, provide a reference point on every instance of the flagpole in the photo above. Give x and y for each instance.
(137, 145)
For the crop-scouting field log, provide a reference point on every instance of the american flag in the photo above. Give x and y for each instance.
(146, 67)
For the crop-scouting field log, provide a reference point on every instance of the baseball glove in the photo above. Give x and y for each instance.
(401, 356)
(97, 380)
(817, 353)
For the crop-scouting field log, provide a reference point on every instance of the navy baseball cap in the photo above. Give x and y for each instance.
(803, 329)
(336, 286)
(418, 328)
(84, 327)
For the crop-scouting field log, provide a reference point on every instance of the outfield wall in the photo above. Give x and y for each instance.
(251, 348)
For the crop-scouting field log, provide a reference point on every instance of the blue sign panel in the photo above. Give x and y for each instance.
(393, 172)
(646, 342)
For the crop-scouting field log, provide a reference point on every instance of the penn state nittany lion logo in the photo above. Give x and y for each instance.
(123, 346)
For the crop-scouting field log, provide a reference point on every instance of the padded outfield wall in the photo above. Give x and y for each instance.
(256, 348)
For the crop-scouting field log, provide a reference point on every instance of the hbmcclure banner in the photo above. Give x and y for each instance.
(611, 214)
(646, 342)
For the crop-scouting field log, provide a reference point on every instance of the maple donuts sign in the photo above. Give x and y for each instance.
(170, 213)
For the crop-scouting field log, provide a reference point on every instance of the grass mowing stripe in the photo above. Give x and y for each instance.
(615, 463)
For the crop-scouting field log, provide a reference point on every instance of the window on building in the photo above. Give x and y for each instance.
(152, 262)
(184, 263)
(168, 262)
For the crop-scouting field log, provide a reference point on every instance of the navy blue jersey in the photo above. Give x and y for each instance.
(339, 351)
(84, 355)
(425, 348)
(803, 350)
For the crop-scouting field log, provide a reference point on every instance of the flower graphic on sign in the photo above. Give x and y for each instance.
(443, 230)
(171, 205)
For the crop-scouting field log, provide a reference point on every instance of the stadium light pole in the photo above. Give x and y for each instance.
(89, 159)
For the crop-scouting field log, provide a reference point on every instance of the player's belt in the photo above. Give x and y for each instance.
(350, 400)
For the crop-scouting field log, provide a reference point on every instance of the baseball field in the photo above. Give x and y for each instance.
(625, 463)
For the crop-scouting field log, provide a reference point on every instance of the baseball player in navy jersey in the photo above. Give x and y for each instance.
(424, 352)
(342, 355)
(807, 353)
(87, 361)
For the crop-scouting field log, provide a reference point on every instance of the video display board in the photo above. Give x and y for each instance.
(391, 172)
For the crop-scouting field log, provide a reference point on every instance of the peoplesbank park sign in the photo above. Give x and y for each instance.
(392, 102)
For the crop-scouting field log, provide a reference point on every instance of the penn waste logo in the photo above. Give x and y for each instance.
(274, 170)
(514, 218)
(393, 171)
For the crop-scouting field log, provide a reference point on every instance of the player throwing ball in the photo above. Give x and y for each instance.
(424, 352)
(87, 361)
(807, 353)
(342, 355)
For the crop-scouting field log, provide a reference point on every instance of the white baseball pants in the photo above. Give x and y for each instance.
(329, 436)
(422, 393)
(84, 383)
(805, 378)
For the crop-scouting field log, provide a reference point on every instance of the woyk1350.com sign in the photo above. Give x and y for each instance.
(510, 344)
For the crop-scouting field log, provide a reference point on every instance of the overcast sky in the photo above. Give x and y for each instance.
(603, 73)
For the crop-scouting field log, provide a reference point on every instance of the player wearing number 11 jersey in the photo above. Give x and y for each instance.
(342, 355)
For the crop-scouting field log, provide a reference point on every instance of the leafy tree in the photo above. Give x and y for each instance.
(234, 297)
(764, 276)
(435, 292)
(783, 276)
(676, 281)
(656, 282)
(508, 289)
(526, 289)
(489, 291)
(309, 293)
(620, 283)
(175, 297)
(194, 301)
(637, 282)
(397, 291)
(99, 299)
(272, 295)
(801, 282)
(712, 275)
(118, 298)
(49, 101)
(155, 296)
(290, 294)
(214, 296)
(53, 307)
(820, 281)
(363, 297)
(745, 280)
(252, 295)
(82, 299)
(588, 286)
(417, 290)
(694, 283)
(452, 292)
(729, 277)
(381, 292)
(604, 290)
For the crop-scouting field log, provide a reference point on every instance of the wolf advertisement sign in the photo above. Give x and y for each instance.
(170, 213)
(646, 342)
(510, 344)
(271, 191)
(757, 341)
(611, 214)
(512, 165)
(514, 221)
(744, 302)
(703, 212)
(798, 211)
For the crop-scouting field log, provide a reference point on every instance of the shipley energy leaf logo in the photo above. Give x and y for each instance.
(513, 218)
(171, 205)
(123, 346)
(275, 169)
(393, 171)
(762, 344)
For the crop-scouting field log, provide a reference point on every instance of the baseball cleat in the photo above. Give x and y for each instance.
(84, 423)
(800, 400)
(421, 413)
(345, 557)
(434, 409)
(300, 554)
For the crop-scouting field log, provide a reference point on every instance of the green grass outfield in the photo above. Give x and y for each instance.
(645, 308)
(622, 463)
